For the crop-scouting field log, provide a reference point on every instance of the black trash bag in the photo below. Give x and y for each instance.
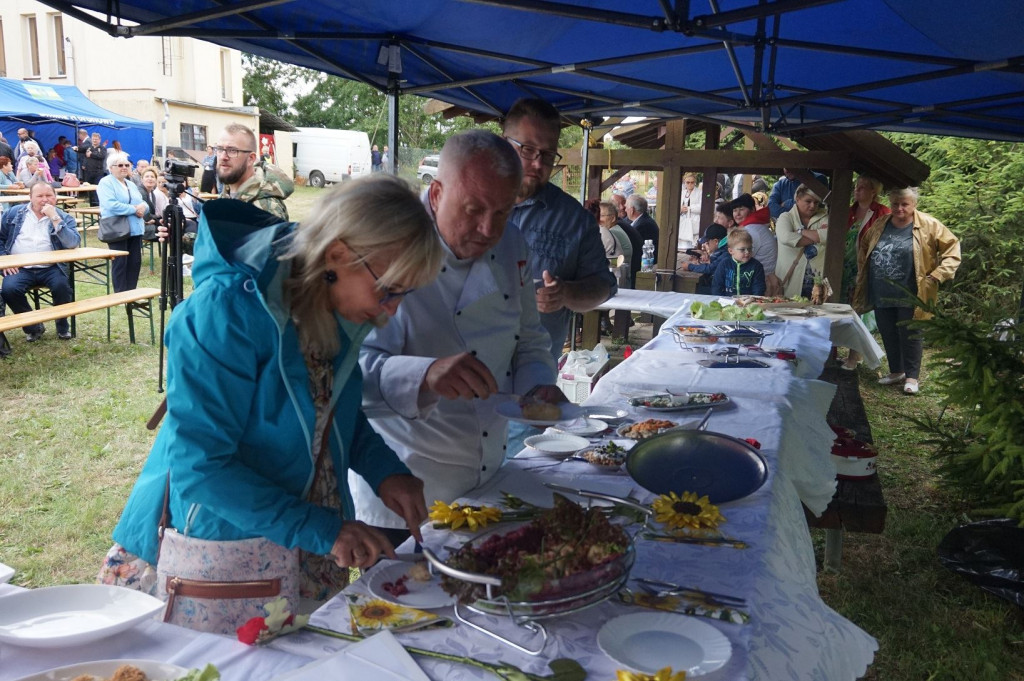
(989, 553)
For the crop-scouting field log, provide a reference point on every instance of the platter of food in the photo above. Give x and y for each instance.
(641, 430)
(101, 670)
(409, 584)
(649, 641)
(680, 402)
(772, 302)
(605, 457)
(558, 445)
(539, 413)
(722, 333)
(60, 616)
(565, 559)
(715, 311)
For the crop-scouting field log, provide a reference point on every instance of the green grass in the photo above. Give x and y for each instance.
(931, 624)
(73, 439)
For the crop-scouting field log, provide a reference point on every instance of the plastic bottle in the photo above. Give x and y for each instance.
(647, 260)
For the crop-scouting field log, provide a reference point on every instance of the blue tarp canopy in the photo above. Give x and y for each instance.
(791, 67)
(54, 110)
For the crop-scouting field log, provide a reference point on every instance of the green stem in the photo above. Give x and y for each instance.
(498, 669)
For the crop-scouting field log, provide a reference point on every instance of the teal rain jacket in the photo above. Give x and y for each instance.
(237, 437)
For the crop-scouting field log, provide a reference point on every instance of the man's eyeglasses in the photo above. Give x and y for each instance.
(389, 294)
(548, 158)
(231, 152)
(122, 165)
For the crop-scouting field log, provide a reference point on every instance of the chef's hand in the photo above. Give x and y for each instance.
(460, 376)
(551, 394)
(359, 545)
(403, 494)
(550, 296)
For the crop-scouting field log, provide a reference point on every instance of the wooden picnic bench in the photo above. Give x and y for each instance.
(136, 300)
(858, 505)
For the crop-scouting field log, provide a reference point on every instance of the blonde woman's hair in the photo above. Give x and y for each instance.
(760, 199)
(370, 215)
(875, 183)
(804, 190)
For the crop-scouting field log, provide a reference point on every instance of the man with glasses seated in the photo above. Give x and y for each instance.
(565, 243)
(247, 179)
(432, 375)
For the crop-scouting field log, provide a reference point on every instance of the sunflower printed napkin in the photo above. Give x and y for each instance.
(370, 615)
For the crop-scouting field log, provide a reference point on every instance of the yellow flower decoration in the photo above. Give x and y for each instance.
(686, 512)
(663, 674)
(457, 515)
(377, 614)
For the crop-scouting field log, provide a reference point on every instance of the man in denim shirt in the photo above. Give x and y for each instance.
(565, 244)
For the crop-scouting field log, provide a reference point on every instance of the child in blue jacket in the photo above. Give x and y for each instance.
(741, 274)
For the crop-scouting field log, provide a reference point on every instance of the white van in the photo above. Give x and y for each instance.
(324, 155)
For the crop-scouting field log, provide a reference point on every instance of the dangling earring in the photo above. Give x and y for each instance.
(330, 276)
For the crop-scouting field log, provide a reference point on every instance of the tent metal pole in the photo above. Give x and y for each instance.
(585, 164)
(392, 165)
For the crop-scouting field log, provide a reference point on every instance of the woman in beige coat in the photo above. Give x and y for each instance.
(891, 259)
(802, 232)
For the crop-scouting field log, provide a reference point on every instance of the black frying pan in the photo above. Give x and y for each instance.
(723, 467)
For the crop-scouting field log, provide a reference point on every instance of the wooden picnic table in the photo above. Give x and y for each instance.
(78, 259)
(11, 199)
(59, 190)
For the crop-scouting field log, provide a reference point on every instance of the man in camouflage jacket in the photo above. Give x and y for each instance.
(244, 178)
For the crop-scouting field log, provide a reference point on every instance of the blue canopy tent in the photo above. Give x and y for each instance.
(54, 110)
(788, 67)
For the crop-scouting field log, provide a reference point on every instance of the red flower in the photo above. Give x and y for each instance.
(250, 631)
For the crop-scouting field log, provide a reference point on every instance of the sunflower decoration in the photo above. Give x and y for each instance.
(663, 674)
(686, 512)
(456, 515)
(377, 614)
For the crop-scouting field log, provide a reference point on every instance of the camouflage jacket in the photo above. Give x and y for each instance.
(266, 189)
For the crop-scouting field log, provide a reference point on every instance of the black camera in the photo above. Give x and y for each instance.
(178, 174)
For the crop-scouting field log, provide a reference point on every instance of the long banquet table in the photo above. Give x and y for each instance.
(791, 634)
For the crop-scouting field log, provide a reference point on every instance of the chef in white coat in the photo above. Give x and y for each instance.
(432, 373)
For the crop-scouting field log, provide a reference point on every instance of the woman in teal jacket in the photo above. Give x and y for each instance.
(262, 368)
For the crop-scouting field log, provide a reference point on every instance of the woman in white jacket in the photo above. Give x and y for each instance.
(689, 212)
(802, 233)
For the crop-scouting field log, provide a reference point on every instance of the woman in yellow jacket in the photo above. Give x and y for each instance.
(906, 250)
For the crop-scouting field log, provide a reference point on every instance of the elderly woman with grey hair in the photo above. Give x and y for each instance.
(120, 197)
(264, 416)
(905, 251)
(32, 152)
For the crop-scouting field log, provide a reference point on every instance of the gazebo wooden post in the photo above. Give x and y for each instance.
(838, 214)
(712, 134)
(670, 193)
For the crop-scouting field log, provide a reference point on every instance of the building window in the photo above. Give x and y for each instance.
(166, 55)
(3, 52)
(193, 136)
(225, 75)
(59, 62)
(32, 45)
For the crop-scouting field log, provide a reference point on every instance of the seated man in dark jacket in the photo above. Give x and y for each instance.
(32, 228)
(709, 242)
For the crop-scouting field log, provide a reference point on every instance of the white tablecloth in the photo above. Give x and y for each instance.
(792, 634)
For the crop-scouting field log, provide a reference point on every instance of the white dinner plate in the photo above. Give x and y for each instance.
(513, 412)
(423, 595)
(608, 414)
(104, 669)
(794, 311)
(6, 572)
(60, 616)
(584, 426)
(558, 445)
(649, 641)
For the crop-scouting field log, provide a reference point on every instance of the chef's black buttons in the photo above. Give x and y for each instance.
(473, 352)
(506, 296)
(485, 433)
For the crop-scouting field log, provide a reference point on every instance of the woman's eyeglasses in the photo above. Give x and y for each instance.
(390, 293)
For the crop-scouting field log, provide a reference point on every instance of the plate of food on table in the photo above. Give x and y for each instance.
(608, 456)
(641, 430)
(539, 413)
(408, 583)
(678, 401)
(125, 670)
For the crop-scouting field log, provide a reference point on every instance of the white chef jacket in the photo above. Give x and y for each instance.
(485, 306)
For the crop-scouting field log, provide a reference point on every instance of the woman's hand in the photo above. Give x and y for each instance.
(403, 494)
(359, 545)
